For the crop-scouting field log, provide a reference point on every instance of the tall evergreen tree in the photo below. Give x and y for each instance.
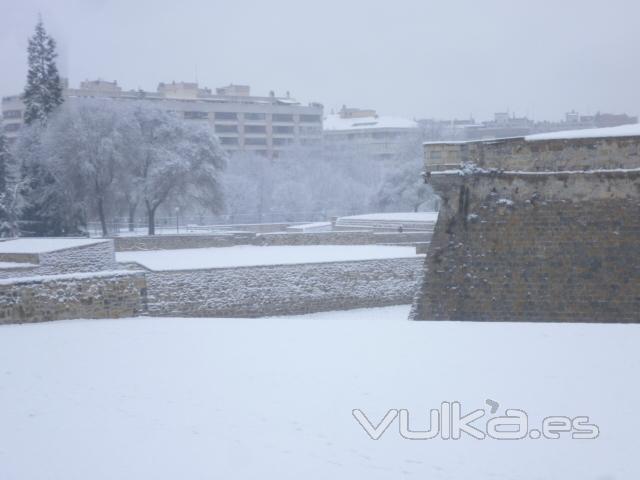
(4, 161)
(43, 92)
(42, 95)
(9, 192)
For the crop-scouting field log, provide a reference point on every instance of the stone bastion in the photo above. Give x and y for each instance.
(534, 229)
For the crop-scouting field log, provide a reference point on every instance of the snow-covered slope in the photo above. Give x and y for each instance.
(272, 398)
(246, 255)
(396, 217)
(41, 245)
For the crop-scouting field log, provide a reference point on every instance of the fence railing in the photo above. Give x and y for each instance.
(203, 224)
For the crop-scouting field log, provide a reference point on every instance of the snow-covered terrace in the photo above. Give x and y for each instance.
(247, 256)
(44, 245)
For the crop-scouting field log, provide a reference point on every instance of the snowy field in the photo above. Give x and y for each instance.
(271, 398)
(247, 255)
(396, 217)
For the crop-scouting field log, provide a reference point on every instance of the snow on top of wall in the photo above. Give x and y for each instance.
(67, 276)
(311, 227)
(42, 245)
(396, 217)
(246, 255)
(621, 131)
(335, 122)
(15, 265)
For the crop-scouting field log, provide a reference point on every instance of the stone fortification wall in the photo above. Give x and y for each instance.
(519, 240)
(170, 242)
(283, 289)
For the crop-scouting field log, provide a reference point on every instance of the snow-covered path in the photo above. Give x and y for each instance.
(271, 398)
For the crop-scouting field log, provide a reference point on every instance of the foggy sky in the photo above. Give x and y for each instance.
(413, 58)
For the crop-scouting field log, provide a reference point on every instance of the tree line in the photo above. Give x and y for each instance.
(96, 159)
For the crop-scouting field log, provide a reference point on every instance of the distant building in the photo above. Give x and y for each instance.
(264, 125)
(364, 133)
(505, 125)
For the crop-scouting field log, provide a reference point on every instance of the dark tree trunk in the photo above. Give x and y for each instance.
(132, 216)
(151, 219)
(103, 222)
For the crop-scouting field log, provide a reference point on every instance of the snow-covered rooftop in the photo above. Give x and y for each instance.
(247, 255)
(336, 122)
(621, 131)
(632, 130)
(42, 245)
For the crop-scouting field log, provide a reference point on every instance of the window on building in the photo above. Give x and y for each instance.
(12, 114)
(435, 155)
(255, 141)
(283, 129)
(311, 130)
(229, 140)
(255, 116)
(310, 118)
(282, 141)
(195, 115)
(282, 117)
(255, 129)
(12, 127)
(226, 116)
(226, 128)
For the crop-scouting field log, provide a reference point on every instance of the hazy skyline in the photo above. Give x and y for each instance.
(412, 58)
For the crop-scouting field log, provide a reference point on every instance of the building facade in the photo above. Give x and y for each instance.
(268, 125)
(363, 133)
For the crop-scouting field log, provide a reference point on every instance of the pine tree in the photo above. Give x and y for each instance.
(9, 195)
(43, 92)
(4, 161)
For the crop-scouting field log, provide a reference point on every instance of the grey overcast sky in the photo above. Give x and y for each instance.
(413, 58)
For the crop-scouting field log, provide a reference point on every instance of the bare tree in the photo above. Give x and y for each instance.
(173, 158)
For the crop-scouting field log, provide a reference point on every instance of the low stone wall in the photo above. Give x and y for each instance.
(342, 238)
(283, 289)
(88, 295)
(171, 242)
(86, 258)
(174, 242)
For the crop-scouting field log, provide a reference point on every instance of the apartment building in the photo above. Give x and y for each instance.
(267, 125)
(363, 133)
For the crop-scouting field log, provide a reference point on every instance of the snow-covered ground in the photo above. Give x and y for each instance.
(272, 398)
(42, 245)
(396, 217)
(247, 255)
